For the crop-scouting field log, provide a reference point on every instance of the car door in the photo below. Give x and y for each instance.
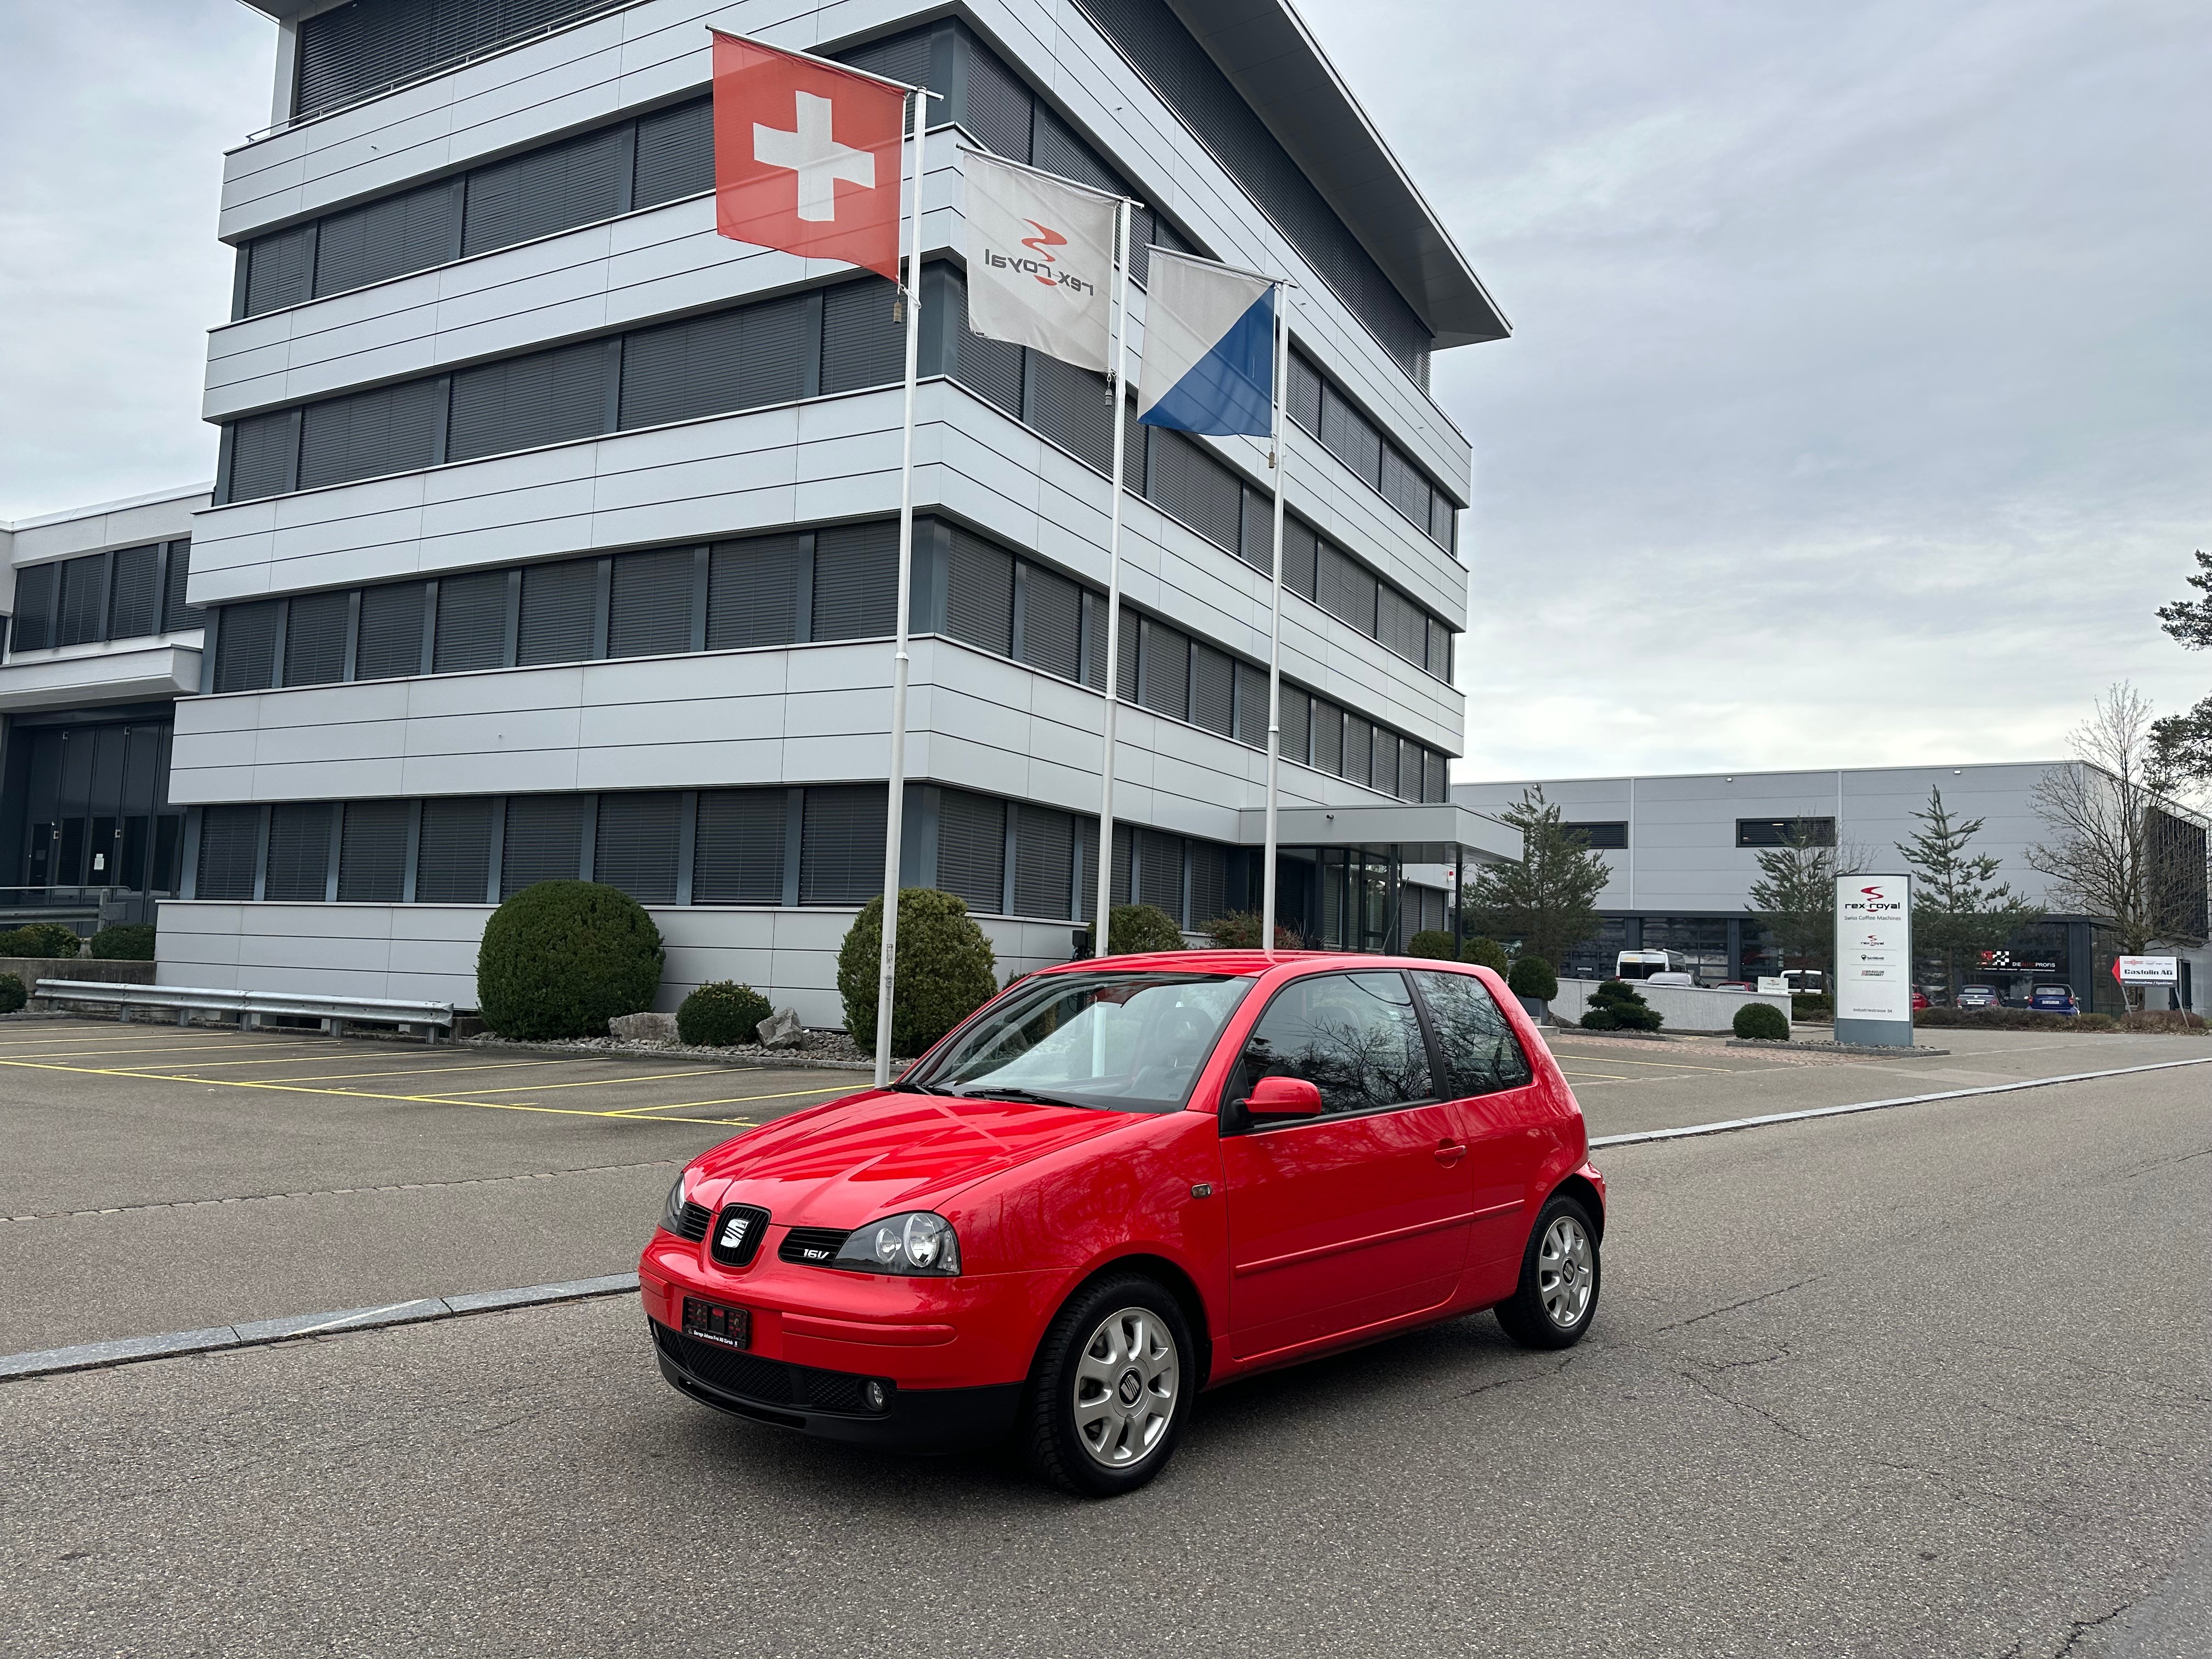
(1498, 1108)
(1359, 1215)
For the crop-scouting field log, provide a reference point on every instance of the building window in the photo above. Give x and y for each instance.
(1781, 832)
(1599, 837)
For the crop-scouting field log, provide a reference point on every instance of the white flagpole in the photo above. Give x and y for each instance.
(1113, 392)
(894, 823)
(1275, 460)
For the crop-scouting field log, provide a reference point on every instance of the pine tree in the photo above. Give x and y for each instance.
(1794, 897)
(2182, 744)
(1548, 901)
(1958, 904)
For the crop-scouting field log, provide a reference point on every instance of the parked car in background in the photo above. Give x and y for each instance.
(1121, 1182)
(2053, 1000)
(1977, 996)
(1920, 1000)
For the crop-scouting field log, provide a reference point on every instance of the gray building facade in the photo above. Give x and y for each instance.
(1684, 852)
(554, 533)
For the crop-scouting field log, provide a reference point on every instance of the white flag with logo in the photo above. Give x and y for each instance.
(1040, 251)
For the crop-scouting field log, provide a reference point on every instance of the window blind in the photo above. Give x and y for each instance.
(387, 238)
(841, 858)
(1069, 405)
(979, 594)
(245, 647)
(83, 597)
(176, 615)
(363, 47)
(134, 605)
(1164, 674)
(755, 591)
(1209, 882)
(394, 429)
(372, 853)
(1159, 873)
(636, 847)
(560, 611)
(549, 188)
(1052, 622)
(472, 623)
(1358, 748)
(280, 270)
(649, 604)
(315, 639)
(856, 580)
(861, 344)
(34, 627)
(264, 452)
(675, 153)
(453, 864)
(299, 853)
(738, 849)
(520, 403)
(544, 841)
(1044, 861)
(1213, 689)
(971, 849)
(391, 643)
(1186, 481)
(230, 841)
(1251, 706)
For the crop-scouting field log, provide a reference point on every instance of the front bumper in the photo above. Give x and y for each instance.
(833, 1405)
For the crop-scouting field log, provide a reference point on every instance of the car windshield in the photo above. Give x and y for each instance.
(1123, 1042)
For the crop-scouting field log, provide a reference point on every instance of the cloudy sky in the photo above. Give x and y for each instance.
(1859, 408)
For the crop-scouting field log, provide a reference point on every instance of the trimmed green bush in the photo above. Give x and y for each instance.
(722, 1014)
(1761, 1022)
(40, 938)
(946, 970)
(1239, 930)
(1627, 1006)
(1432, 942)
(561, 958)
(1134, 928)
(1810, 1005)
(1598, 1017)
(1531, 976)
(12, 994)
(131, 942)
(1485, 953)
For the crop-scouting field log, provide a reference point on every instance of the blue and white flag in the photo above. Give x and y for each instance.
(1209, 348)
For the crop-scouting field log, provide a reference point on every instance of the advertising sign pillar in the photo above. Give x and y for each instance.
(1873, 961)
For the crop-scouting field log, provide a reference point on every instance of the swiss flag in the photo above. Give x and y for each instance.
(806, 155)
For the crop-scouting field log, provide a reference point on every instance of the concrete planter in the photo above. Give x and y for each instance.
(1537, 1008)
(1685, 1008)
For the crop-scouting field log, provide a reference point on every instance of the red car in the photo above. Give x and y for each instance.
(1121, 1181)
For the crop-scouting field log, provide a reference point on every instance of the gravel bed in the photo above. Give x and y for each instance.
(825, 1050)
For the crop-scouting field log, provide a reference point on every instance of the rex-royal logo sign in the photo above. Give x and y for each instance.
(1874, 948)
(1041, 263)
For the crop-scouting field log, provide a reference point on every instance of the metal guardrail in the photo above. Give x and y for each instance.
(251, 1006)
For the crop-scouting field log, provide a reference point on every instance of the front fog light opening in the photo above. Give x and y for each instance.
(877, 1394)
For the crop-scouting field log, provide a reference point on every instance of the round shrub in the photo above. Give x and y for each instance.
(1627, 1006)
(561, 958)
(722, 1014)
(946, 970)
(40, 938)
(1132, 929)
(1484, 953)
(1239, 930)
(1760, 1022)
(1599, 1018)
(1531, 976)
(132, 942)
(1431, 942)
(12, 994)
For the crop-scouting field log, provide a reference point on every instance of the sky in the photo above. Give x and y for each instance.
(1858, 409)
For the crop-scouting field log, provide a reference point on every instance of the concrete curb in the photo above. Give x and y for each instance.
(1730, 1124)
(260, 1332)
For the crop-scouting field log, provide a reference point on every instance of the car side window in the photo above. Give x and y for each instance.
(1481, 1053)
(1354, 1036)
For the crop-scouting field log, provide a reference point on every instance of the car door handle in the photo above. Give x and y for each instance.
(1450, 1152)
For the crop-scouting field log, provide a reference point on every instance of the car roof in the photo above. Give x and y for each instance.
(1241, 962)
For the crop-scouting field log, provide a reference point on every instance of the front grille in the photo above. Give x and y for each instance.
(737, 1235)
(812, 1247)
(691, 1222)
(770, 1381)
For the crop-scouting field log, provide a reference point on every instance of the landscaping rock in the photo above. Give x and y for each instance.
(781, 1030)
(643, 1028)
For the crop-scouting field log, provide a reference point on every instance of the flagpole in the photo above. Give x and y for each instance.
(1275, 460)
(1113, 677)
(894, 820)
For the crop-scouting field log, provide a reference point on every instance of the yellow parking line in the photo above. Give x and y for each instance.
(734, 1100)
(1668, 1064)
(143, 1047)
(587, 1083)
(300, 1059)
(363, 1094)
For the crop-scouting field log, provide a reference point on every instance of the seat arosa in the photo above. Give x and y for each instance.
(1124, 1180)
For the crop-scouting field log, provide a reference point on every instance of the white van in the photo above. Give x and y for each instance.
(1661, 966)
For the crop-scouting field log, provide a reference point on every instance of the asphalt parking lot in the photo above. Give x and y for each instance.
(1930, 1380)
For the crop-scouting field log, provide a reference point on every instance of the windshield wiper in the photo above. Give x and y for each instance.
(984, 1091)
(902, 1087)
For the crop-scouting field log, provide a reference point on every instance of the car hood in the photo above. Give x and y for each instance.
(870, 1154)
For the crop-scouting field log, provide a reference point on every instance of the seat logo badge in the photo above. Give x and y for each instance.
(733, 1231)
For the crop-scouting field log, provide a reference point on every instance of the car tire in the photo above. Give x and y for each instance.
(1561, 1272)
(1111, 1388)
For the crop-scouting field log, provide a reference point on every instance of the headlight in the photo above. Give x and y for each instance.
(916, 1242)
(672, 1213)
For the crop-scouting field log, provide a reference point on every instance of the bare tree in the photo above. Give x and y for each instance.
(2117, 850)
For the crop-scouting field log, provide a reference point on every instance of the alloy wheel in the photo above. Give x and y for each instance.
(1566, 1272)
(1127, 1382)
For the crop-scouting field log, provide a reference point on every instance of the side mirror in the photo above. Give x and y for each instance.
(1283, 1097)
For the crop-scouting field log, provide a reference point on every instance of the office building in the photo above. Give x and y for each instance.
(553, 534)
(1684, 851)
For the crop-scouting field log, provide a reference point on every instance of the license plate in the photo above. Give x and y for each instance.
(732, 1327)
